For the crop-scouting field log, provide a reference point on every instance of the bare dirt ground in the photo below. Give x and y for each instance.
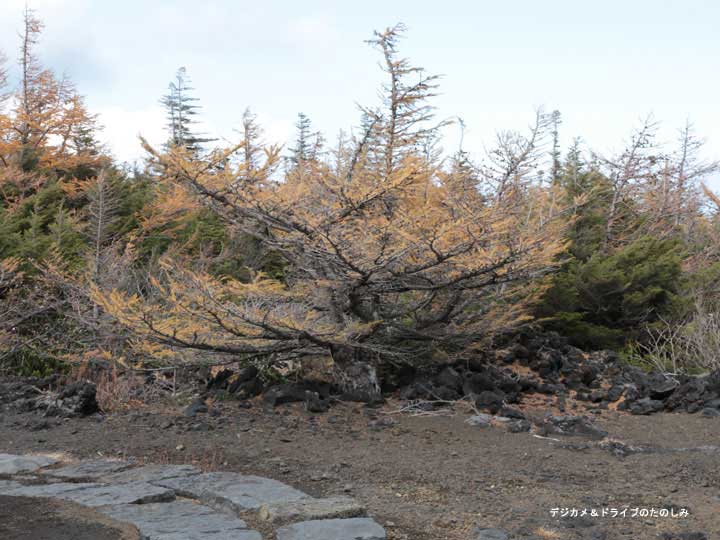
(26, 518)
(426, 478)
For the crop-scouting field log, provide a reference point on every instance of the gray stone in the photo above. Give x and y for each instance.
(490, 534)
(333, 529)
(519, 426)
(17, 489)
(312, 509)
(572, 425)
(710, 413)
(151, 473)
(92, 494)
(130, 493)
(12, 464)
(480, 420)
(7, 486)
(181, 520)
(646, 406)
(232, 491)
(90, 469)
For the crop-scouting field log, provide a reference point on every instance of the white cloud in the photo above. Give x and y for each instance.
(122, 127)
(313, 30)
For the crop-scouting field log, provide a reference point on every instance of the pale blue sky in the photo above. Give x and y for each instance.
(604, 65)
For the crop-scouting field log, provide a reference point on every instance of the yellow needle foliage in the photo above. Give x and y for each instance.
(395, 256)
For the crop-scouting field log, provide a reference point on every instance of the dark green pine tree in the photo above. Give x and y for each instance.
(182, 110)
(308, 143)
(602, 297)
(301, 152)
(556, 120)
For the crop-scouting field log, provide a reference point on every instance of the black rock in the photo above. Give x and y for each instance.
(527, 385)
(550, 389)
(712, 381)
(646, 406)
(445, 393)
(394, 377)
(76, 399)
(507, 384)
(615, 392)
(247, 373)
(661, 388)
(710, 413)
(450, 378)
(245, 389)
(572, 425)
(196, 407)
(588, 374)
(491, 401)
(520, 351)
(477, 383)
(314, 404)
(381, 423)
(417, 390)
(713, 404)
(573, 381)
(220, 380)
(245, 383)
(632, 392)
(690, 392)
(509, 412)
(284, 393)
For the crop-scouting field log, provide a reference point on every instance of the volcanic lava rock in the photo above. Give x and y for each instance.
(76, 399)
(196, 407)
(661, 387)
(450, 378)
(284, 393)
(491, 401)
(646, 406)
(688, 396)
(571, 425)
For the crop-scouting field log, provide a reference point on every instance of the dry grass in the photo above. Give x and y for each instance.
(208, 459)
(119, 393)
(116, 391)
(547, 534)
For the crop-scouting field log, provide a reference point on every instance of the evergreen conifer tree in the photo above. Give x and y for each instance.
(182, 109)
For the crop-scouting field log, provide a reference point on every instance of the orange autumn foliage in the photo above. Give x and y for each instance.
(391, 254)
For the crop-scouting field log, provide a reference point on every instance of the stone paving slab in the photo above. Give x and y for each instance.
(233, 491)
(150, 473)
(130, 493)
(145, 497)
(42, 490)
(8, 486)
(333, 529)
(311, 509)
(93, 469)
(12, 464)
(181, 520)
(91, 494)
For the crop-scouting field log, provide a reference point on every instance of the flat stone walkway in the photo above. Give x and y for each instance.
(180, 502)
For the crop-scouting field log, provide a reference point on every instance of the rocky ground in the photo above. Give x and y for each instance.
(529, 443)
(428, 477)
